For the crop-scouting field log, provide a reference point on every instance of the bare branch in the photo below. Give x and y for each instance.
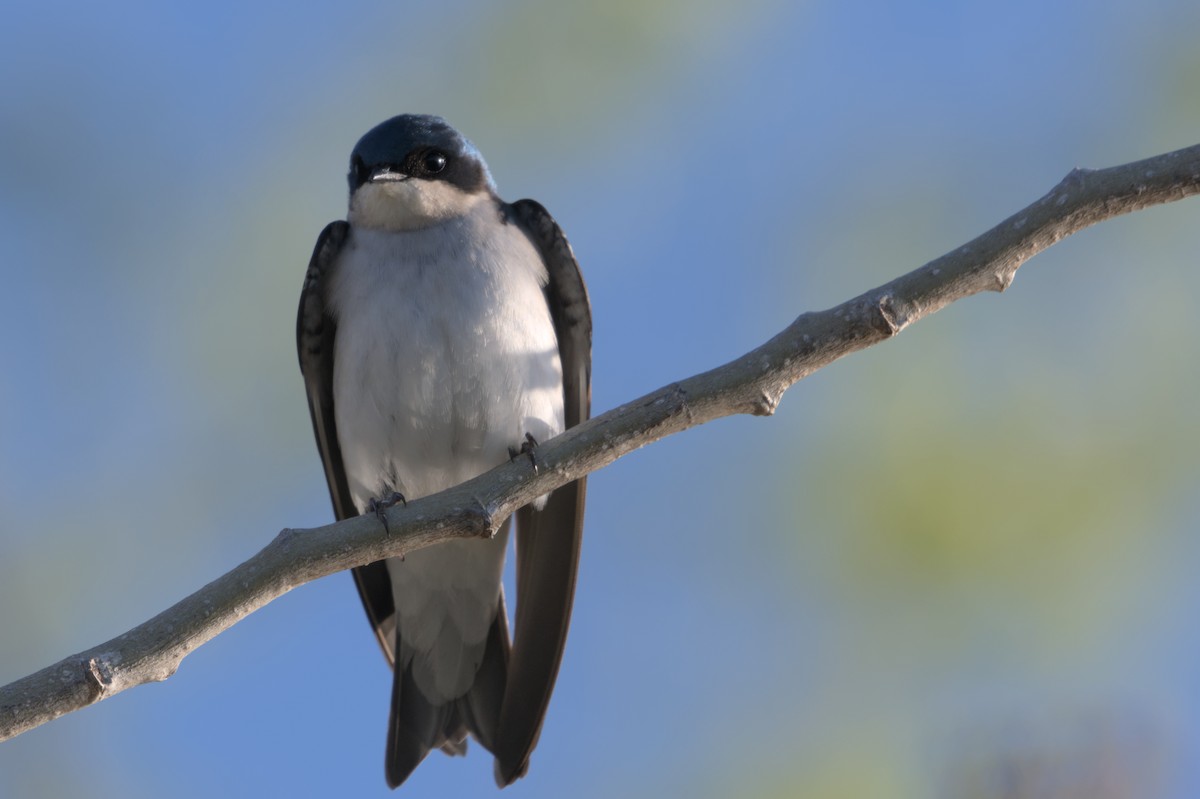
(754, 384)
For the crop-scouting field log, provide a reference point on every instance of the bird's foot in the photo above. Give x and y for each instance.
(378, 506)
(528, 448)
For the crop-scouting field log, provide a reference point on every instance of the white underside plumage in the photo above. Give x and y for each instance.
(445, 357)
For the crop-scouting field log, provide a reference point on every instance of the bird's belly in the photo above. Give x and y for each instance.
(421, 434)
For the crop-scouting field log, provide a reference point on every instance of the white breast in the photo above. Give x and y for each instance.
(446, 353)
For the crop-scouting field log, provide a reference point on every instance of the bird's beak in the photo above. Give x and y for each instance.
(386, 175)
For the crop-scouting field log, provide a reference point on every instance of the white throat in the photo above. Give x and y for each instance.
(409, 204)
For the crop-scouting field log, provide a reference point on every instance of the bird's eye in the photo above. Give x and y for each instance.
(434, 162)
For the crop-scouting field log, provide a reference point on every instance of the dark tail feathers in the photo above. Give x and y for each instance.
(417, 726)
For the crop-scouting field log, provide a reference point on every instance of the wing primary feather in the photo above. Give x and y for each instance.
(549, 540)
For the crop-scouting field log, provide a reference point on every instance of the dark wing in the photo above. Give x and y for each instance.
(548, 541)
(315, 331)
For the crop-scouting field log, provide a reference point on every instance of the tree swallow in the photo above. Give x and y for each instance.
(439, 328)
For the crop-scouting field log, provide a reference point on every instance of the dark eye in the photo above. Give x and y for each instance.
(434, 162)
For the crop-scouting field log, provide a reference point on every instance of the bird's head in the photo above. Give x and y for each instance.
(413, 171)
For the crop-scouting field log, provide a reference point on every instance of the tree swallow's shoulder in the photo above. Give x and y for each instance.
(316, 330)
(567, 293)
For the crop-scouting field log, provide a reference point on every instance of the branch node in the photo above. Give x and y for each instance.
(484, 518)
(766, 403)
(1077, 175)
(99, 676)
(891, 313)
(681, 397)
(286, 536)
(1004, 279)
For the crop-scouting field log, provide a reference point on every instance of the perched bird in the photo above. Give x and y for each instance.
(441, 328)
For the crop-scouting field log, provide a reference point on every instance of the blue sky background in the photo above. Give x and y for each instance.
(955, 565)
